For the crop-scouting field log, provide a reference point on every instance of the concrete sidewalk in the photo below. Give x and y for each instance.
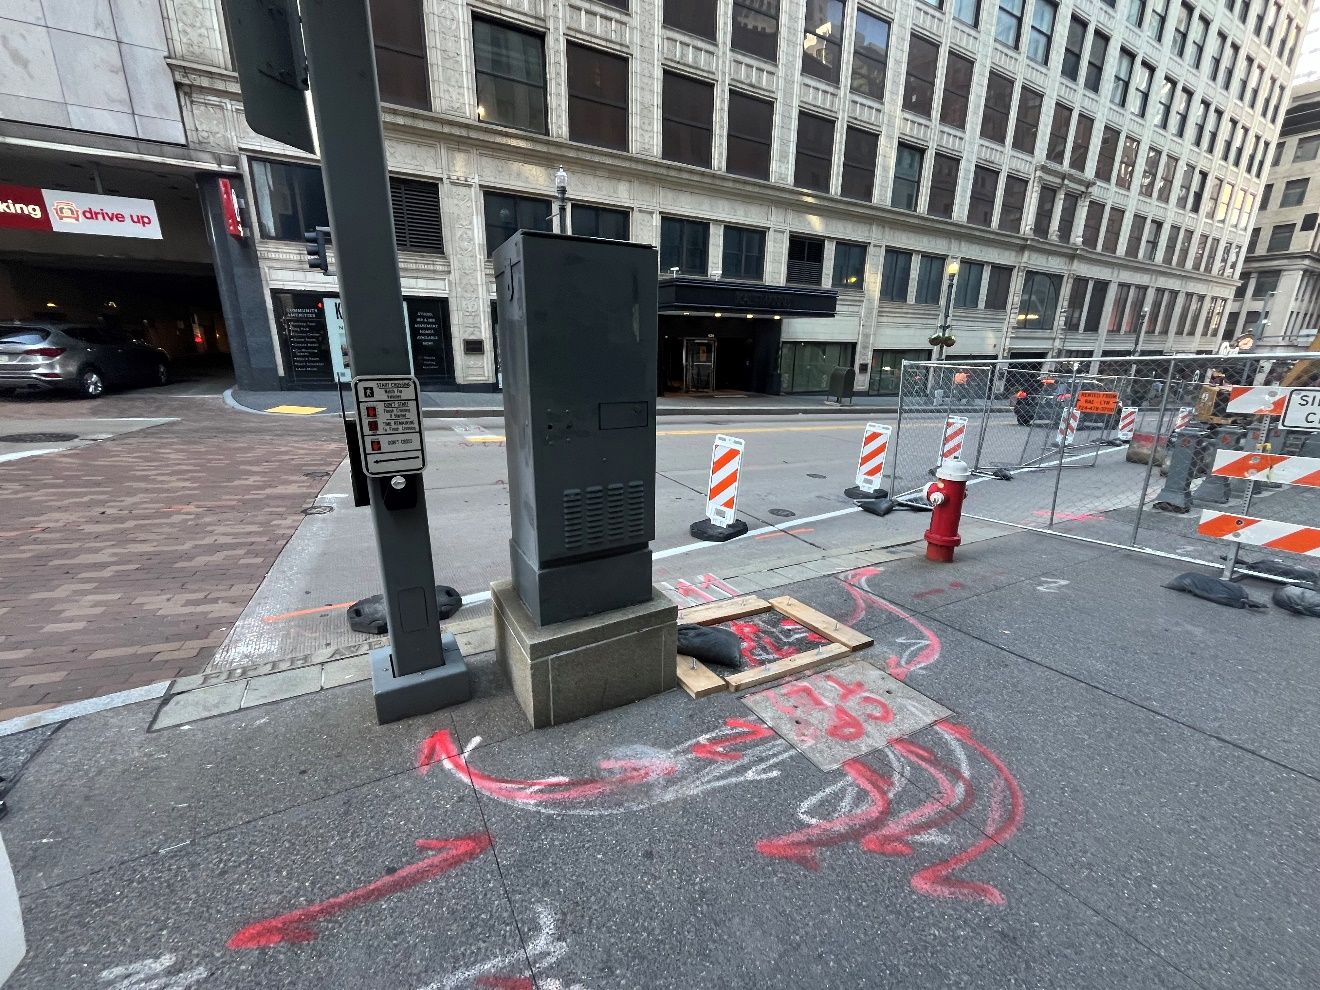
(1119, 799)
(477, 405)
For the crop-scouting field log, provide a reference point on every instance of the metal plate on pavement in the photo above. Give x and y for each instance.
(389, 419)
(842, 713)
(1303, 410)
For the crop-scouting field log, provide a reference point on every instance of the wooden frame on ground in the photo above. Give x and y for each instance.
(699, 681)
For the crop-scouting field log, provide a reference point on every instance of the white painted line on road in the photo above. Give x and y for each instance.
(20, 454)
(88, 707)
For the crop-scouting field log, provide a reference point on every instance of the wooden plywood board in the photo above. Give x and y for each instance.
(725, 611)
(782, 668)
(697, 679)
(819, 622)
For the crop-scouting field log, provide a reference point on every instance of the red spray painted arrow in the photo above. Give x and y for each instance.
(296, 926)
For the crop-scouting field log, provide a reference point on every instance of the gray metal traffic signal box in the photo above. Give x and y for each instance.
(578, 346)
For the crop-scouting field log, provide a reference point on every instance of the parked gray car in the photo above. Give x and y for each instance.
(77, 357)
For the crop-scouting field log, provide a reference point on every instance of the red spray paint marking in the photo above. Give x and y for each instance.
(506, 982)
(441, 748)
(893, 839)
(296, 926)
(803, 846)
(720, 749)
(1000, 824)
(854, 581)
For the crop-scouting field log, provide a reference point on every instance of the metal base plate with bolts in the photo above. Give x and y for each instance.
(421, 693)
(706, 530)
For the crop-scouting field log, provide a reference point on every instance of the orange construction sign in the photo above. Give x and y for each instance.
(1097, 402)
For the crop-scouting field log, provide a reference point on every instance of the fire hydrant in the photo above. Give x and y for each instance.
(946, 494)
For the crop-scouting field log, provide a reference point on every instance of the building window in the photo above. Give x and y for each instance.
(1014, 204)
(1145, 80)
(1294, 192)
(1041, 36)
(600, 221)
(1136, 12)
(1028, 120)
(507, 214)
(849, 266)
(756, 28)
(1266, 282)
(1118, 91)
(1094, 220)
(1060, 125)
(751, 123)
(1171, 245)
(957, 90)
(908, 162)
(1127, 165)
(1180, 29)
(1180, 113)
(1165, 189)
(1308, 221)
(744, 254)
(870, 55)
(943, 186)
(967, 291)
(930, 279)
(995, 109)
(896, 275)
(1152, 242)
(510, 75)
(1281, 237)
(1216, 57)
(1159, 17)
(859, 153)
(290, 199)
(806, 260)
(1081, 143)
(689, 107)
(683, 245)
(1095, 61)
(1266, 195)
(1151, 172)
(997, 288)
(1068, 217)
(1113, 229)
(1307, 149)
(1040, 226)
(821, 42)
(1039, 304)
(1135, 234)
(1008, 23)
(985, 187)
(400, 40)
(922, 66)
(1198, 42)
(416, 210)
(597, 97)
(967, 11)
(1108, 154)
(1198, 191)
(1074, 47)
(693, 16)
(1166, 104)
(815, 151)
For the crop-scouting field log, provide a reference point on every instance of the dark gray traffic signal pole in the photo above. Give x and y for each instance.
(420, 670)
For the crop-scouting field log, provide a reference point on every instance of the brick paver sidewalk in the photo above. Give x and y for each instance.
(126, 562)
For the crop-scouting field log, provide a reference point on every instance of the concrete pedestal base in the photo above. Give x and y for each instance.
(421, 693)
(569, 670)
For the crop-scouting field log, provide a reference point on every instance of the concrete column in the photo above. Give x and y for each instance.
(242, 296)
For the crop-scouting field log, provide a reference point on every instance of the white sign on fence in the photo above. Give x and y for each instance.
(1303, 410)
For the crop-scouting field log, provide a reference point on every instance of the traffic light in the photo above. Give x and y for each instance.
(318, 239)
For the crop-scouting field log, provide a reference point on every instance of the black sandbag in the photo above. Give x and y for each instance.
(1279, 569)
(1213, 589)
(1300, 601)
(710, 644)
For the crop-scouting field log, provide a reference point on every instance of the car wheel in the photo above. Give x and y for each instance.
(91, 383)
(1023, 419)
(162, 374)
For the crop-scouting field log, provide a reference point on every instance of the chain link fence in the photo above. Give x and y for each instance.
(1116, 451)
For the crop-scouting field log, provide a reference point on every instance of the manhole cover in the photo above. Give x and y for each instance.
(786, 513)
(38, 437)
(317, 510)
(811, 474)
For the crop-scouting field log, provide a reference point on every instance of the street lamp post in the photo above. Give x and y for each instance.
(1141, 330)
(944, 336)
(561, 193)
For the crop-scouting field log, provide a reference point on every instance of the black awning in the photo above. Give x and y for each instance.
(701, 295)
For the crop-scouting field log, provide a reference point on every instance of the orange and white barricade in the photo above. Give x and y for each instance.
(1257, 400)
(1265, 533)
(1127, 422)
(1276, 468)
(1184, 419)
(955, 433)
(722, 491)
(871, 462)
(1068, 424)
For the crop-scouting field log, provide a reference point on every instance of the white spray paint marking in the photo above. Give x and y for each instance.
(1052, 585)
(544, 950)
(18, 455)
(139, 976)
